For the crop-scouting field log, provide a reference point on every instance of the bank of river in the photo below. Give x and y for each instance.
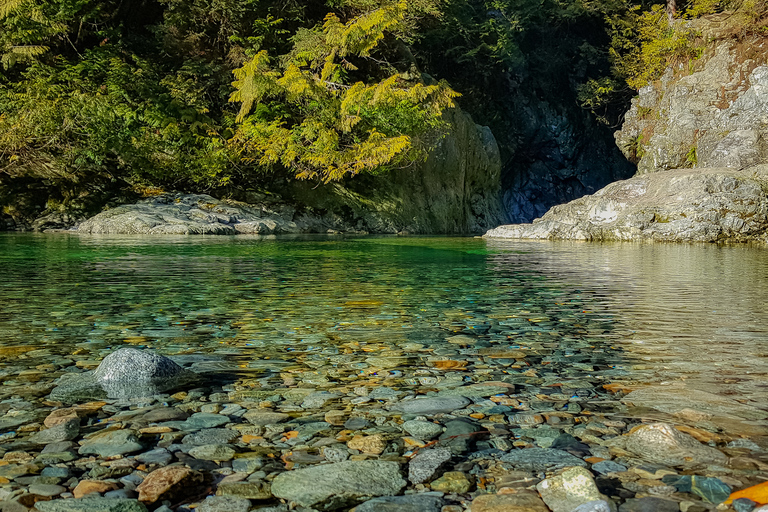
(445, 369)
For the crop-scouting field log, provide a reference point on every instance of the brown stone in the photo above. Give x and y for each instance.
(90, 486)
(60, 416)
(335, 417)
(169, 483)
(374, 444)
(518, 502)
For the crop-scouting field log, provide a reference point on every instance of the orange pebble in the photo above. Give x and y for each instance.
(757, 493)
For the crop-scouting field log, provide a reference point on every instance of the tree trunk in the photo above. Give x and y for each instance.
(671, 10)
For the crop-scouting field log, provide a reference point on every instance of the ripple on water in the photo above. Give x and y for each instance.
(327, 311)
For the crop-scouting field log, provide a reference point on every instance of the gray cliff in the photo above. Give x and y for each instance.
(699, 136)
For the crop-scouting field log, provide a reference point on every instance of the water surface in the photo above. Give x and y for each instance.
(332, 310)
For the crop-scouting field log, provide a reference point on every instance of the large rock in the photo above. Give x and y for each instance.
(661, 443)
(716, 116)
(190, 214)
(332, 486)
(702, 205)
(125, 373)
(456, 190)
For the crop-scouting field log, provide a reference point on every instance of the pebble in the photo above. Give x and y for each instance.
(425, 464)
(224, 504)
(110, 443)
(408, 503)
(346, 482)
(213, 452)
(569, 489)
(452, 482)
(522, 502)
(431, 406)
(169, 483)
(424, 430)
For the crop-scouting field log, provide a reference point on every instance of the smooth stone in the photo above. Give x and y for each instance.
(46, 489)
(169, 483)
(458, 435)
(425, 464)
(318, 400)
(541, 459)
(608, 466)
(213, 452)
(452, 482)
(248, 464)
(165, 414)
(569, 489)
(224, 504)
(374, 444)
(711, 490)
(59, 447)
(521, 502)
(159, 456)
(12, 471)
(64, 431)
(211, 436)
(86, 487)
(408, 503)
(357, 423)
(662, 443)
(431, 405)
(330, 486)
(649, 504)
(261, 418)
(475, 391)
(91, 505)
(204, 420)
(424, 430)
(257, 490)
(130, 364)
(55, 472)
(743, 505)
(595, 506)
(111, 443)
(121, 493)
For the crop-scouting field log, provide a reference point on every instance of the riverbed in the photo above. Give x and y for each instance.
(623, 331)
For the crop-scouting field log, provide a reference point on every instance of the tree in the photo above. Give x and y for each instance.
(306, 113)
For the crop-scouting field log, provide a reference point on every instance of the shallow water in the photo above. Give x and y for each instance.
(333, 310)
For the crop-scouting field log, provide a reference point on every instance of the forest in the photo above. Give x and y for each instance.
(206, 95)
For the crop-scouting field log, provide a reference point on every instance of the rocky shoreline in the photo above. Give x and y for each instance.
(97, 444)
(684, 205)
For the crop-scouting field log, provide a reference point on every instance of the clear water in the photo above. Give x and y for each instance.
(331, 310)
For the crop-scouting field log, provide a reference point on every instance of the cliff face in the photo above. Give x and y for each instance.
(700, 138)
(456, 191)
(561, 154)
(716, 116)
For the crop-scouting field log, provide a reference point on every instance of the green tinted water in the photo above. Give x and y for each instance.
(337, 309)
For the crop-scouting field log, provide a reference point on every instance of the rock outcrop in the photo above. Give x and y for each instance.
(714, 117)
(192, 214)
(701, 143)
(457, 191)
(703, 205)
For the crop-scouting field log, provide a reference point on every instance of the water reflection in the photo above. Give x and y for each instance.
(692, 313)
(332, 310)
